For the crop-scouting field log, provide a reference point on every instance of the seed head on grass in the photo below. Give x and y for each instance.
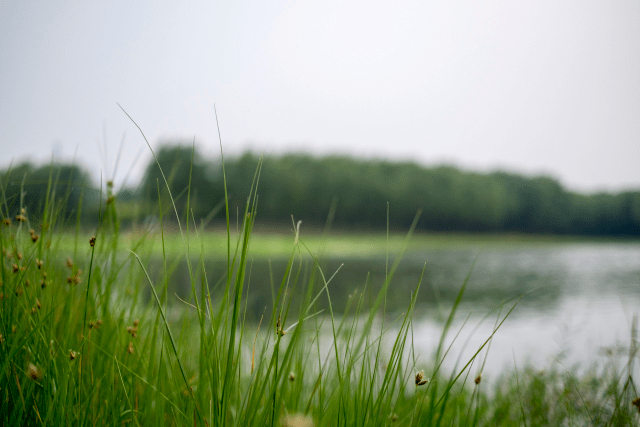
(420, 379)
(72, 355)
(279, 330)
(95, 323)
(7, 222)
(92, 241)
(133, 330)
(130, 348)
(33, 372)
(636, 402)
(75, 279)
(478, 379)
(70, 263)
(292, 377)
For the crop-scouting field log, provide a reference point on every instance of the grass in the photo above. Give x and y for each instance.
(343, 243)
(81, 345)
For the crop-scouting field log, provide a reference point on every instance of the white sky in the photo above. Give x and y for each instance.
(533, 86)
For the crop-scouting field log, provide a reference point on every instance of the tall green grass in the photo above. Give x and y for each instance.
(82, 344)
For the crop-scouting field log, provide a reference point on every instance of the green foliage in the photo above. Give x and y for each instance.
(556, 396)
(183, 165)
(28, 187)
(450, 199)
(80, 344)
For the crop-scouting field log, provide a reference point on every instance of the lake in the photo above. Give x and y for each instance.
(578, 305)
(578, 300)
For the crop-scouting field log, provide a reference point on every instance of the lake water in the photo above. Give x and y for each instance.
(577, 307)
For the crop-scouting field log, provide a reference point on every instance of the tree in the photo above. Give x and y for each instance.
(26, 186)
(182, 165)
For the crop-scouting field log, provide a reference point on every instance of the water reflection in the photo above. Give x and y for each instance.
(544, 276)
(576, 298)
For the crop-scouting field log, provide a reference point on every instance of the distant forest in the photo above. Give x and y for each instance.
(355, 191)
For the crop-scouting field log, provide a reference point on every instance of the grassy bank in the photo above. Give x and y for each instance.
(81, 345)
(277, 243)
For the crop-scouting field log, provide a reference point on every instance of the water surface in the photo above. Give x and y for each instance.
(577, 301)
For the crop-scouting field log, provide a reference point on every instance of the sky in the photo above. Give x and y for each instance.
(530, 86)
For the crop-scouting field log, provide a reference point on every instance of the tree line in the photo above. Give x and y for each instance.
(62, 188)
(354, 191)
(450, 199)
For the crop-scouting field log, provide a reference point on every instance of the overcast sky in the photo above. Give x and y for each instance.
(532, 86)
